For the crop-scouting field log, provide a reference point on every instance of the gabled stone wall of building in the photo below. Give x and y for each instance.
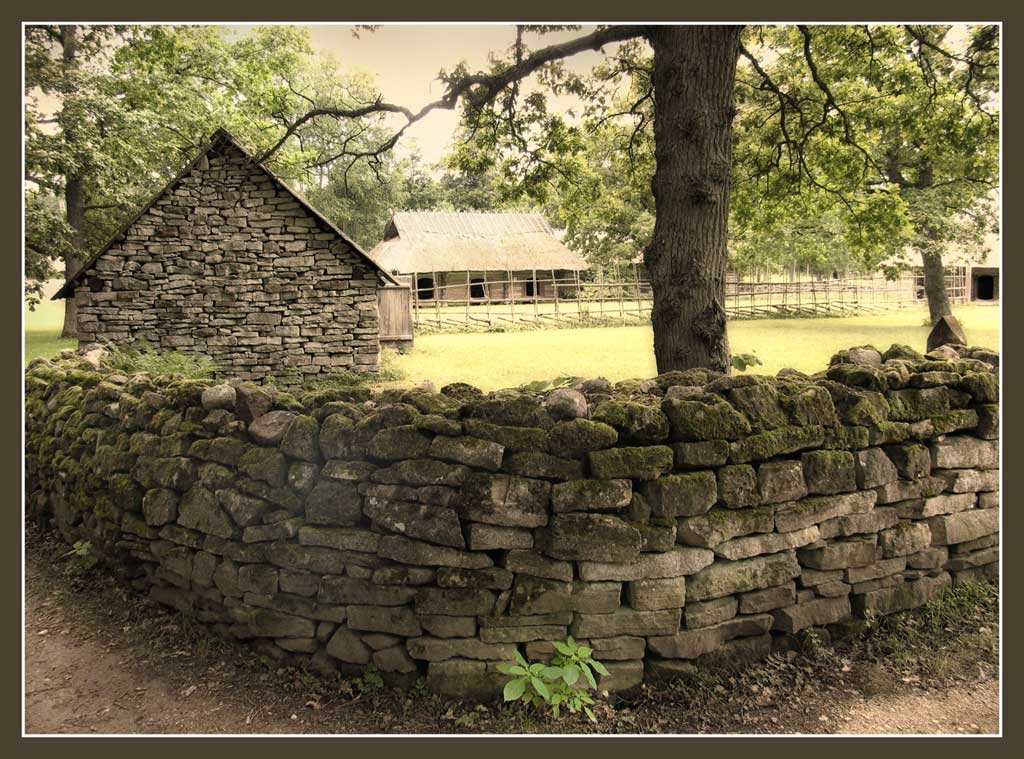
(229, 264)
(434, 534)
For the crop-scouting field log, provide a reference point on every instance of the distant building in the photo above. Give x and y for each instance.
(984, 277)
(980, 277)
(468, 256)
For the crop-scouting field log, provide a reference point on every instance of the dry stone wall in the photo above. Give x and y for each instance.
(229, 264)
(435, 533)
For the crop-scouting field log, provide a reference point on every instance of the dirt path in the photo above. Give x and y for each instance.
(86, 678)
(972, 708)
(99, 660)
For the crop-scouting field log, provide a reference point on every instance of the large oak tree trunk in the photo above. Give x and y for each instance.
(935, 286)
(74, 184)
(74, 200)
(694, 75)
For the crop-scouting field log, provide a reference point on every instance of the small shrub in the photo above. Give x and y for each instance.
(370, 681)
(743, 361)
(82, 557)
(143, 357)
(556, 684)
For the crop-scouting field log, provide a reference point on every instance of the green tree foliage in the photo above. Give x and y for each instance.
(891, 131)
(890, 145)
(134, 103)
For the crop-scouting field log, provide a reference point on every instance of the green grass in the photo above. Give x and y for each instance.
(496, 360)
(42, 329)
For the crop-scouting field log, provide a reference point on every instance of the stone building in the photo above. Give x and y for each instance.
(230, 262)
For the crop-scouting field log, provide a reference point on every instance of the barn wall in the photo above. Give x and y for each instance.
(229, 265)
(664, 521)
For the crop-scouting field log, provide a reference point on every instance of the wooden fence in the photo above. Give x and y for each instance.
(585, 299)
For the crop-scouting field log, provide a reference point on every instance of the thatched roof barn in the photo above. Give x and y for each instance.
(471, 255)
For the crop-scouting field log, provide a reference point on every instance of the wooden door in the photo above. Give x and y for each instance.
(394, 305)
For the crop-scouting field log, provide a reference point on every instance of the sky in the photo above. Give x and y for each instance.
(406, 60)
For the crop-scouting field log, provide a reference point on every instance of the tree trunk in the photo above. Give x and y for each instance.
(74, 201)
(694, 75)
(935, 286)
(74, 185)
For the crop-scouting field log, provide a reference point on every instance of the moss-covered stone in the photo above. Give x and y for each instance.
(687, 378)
(199, 510)
(430, 403)
(504, 500)
(905, 352)
(591, 495)
(468, 450)
(302, 476)
(913, 404)
(461, 391)
(934, 379)
(829, 472)
(636, 423)
(109, 460)
(864, 409)
(737, 486)
(334, 503)
(421, 472)
(806, 404)
(776, 442)
(354, 394)
(394, 443)
(265, 465)
(439, 425)
(704, 418)
(514, 439)
(581, 536)
(125, 492)
(222, 450)
(578, 437)
(845, 438)
(348, 471)
(160, 507)
(177, 473)
(636, 463)
(858, 375)
(544, 466)
(302, 440)
(678, 495)
(338, 438)
(983, 387)
(708, 530)
(759, 403)
(350, 410)
(511, 410)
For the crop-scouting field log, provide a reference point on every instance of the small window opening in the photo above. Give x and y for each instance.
(986, 287)
(425, 288)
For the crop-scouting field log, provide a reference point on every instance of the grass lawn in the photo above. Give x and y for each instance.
(43, 326)
(495, 360)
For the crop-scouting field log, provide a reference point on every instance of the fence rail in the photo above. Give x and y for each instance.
(570, 299)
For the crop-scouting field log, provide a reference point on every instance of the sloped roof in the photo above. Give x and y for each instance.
(423, 241)
(217, 139)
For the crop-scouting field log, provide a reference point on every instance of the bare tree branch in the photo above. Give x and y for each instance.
(478, 89)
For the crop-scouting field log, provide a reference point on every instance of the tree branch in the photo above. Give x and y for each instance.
(478, 89)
